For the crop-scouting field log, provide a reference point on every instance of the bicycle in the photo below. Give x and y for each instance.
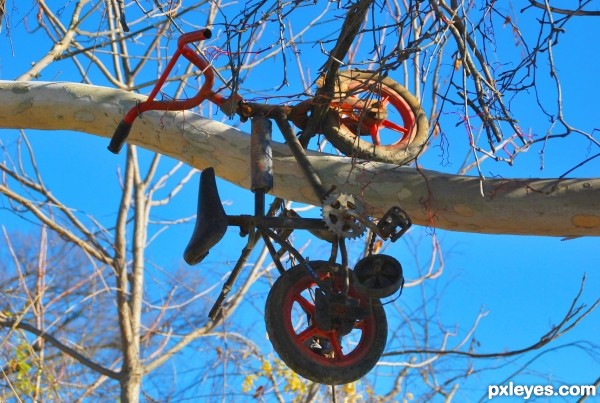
(314, 307)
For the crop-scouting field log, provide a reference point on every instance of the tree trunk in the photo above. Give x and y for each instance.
(554, 207)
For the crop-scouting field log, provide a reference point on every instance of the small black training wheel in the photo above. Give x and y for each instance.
(334, 347)
(378, 276)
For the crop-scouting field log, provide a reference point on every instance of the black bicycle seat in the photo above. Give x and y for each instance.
(211, 220)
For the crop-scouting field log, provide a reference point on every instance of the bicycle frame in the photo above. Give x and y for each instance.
(336, 311)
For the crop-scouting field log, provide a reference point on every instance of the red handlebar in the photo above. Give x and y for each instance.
(205, 91)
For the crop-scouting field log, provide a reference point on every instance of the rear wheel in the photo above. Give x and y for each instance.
(376, 118)
(330, 341)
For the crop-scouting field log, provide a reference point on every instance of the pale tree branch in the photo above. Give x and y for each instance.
(35, 209)
(15, 324)
(59, 46)
(40, 191)
(552, 207)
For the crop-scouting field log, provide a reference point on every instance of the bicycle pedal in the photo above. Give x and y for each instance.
(394, 223)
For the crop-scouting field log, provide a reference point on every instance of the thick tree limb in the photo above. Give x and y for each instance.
(554, 207)
(354, 19)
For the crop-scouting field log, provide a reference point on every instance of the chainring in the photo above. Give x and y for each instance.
(341, 212)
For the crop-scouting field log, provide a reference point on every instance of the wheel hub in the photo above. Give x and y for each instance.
(337, 312)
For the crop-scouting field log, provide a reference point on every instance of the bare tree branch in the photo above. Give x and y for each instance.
(574, 315)
(576, 12)
(13, 324)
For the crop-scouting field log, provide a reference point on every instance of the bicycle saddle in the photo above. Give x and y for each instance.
(211, 220)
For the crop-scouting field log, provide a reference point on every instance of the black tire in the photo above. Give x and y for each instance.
(378, 276)
(345, 139)
(289, 300)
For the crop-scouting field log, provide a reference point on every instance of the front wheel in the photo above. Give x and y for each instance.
(340, 348)
(376, 119)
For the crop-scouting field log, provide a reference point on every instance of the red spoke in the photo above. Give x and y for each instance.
(385, 101)
(374, 129)
(393, 126)
(307, 334)
(307, 306)
(338, 354)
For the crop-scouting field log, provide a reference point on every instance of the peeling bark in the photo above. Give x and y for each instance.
(552, 207)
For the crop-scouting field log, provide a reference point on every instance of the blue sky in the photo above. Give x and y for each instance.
(524, 283)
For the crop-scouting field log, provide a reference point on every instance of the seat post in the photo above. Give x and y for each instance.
(261, 162)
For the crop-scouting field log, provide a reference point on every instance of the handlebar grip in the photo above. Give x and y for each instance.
(119, 137)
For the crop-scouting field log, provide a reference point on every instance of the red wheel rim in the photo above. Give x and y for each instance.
(387, 131)
(348, 350)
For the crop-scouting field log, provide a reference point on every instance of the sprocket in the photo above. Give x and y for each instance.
(341, 212)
